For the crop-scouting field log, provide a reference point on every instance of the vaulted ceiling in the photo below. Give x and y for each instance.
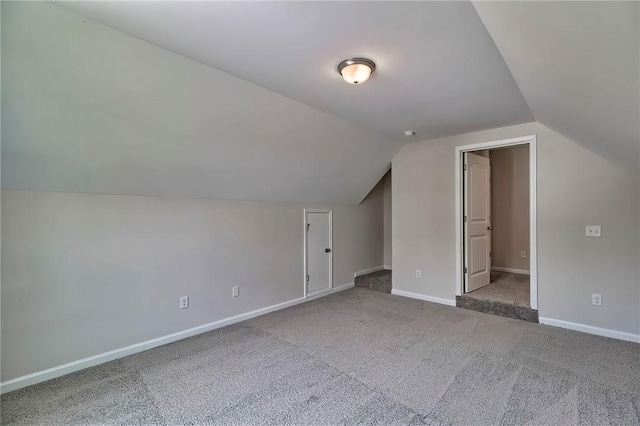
(578, 66)
(438, 71)
(242, 99)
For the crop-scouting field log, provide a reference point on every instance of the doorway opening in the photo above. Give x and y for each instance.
(318, 251)
(496, 254)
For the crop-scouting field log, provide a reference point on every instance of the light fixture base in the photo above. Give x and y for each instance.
(356, 70)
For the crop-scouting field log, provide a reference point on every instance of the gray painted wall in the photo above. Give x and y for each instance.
(387, 219)
(83, 274)
(86, 108)
(510, 207)
(576, 187)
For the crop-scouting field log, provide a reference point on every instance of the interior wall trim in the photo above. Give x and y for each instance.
(71, 367)
(510, 270)
(440, 300)
(368, 271)
(598, 331)
(531, 140)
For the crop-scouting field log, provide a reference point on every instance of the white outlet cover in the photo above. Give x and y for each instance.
(596, 299)
(594, 231)
(418, 273)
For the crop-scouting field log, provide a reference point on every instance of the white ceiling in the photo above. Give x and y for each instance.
(578, 66)
(438, 71)
(250, 105)
(86, 108)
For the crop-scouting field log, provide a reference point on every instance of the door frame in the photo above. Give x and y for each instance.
(306, 254)
(533, 224)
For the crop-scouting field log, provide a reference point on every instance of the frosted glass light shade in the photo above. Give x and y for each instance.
(356, 70)
(356, 73)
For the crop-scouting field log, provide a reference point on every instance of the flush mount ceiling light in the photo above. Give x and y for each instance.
(356, 70)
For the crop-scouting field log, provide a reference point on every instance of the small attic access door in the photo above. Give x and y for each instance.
(318, 254)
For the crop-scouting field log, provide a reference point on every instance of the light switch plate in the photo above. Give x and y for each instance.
(594, 231)
(184, 302)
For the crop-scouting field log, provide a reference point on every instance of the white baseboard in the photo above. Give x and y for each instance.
(316, 294)
(510, 270)
(368, 271)
(448, 302)
(387, 267)
(70, 367)
(605, 332)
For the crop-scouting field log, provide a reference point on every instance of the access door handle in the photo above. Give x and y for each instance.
(489, 228)
(327, 250)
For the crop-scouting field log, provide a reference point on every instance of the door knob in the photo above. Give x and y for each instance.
(489, 228)
(327, 250)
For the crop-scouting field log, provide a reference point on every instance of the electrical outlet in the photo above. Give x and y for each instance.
(184, 302)
(596, 299)
(418, 273)
(235, 291)
(523, 254)
(594, 231)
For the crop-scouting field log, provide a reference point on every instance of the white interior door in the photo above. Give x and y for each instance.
(319, 254)
(477, 221)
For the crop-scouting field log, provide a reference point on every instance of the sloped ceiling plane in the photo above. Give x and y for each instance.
(242, 100)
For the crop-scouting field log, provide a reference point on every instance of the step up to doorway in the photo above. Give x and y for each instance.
(378, 281)
(497, 308)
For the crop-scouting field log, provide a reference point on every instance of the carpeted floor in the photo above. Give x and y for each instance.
(378, 281)
(505, 287)
(356, 357)
(507, 296)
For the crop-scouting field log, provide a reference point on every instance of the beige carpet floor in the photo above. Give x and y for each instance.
(356, 357)
(505, 287)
